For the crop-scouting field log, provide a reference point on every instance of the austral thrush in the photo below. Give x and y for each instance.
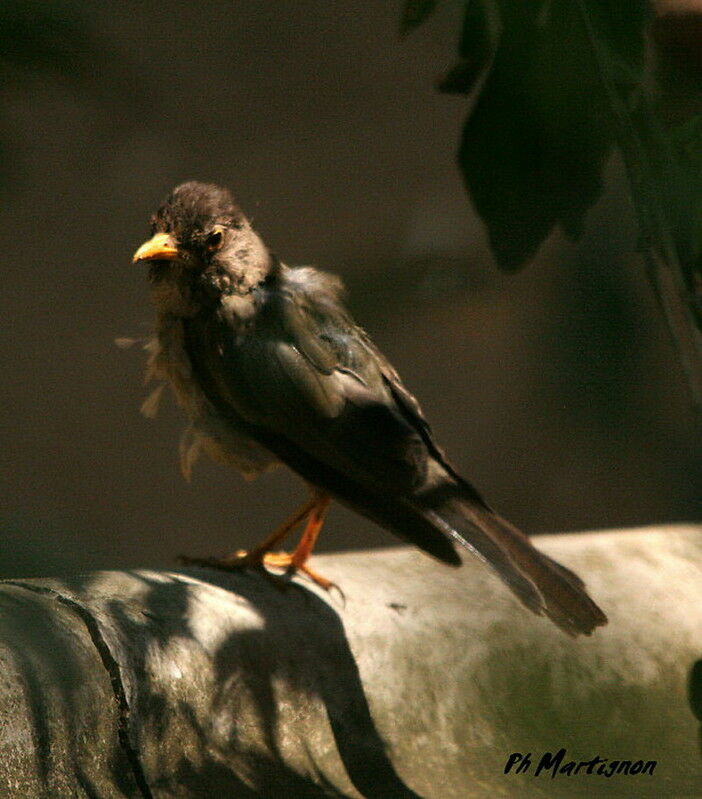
(269, 367)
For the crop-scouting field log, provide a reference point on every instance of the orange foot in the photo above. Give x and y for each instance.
(286, 560)
(241, 559)
(314, 512)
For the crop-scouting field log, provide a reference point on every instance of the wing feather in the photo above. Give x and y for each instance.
(308, 384)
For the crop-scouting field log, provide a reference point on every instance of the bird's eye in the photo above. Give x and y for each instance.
(215, 240)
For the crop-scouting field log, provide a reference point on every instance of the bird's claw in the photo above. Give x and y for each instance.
(285, 560)
(241, 559)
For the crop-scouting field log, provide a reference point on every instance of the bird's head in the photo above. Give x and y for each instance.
(201, 249)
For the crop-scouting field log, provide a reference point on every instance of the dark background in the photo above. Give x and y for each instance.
(556, 390)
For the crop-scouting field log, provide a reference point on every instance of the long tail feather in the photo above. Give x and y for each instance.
(542, 584)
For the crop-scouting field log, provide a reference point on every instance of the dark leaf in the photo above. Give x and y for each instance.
(479, 40)
(414, 13)
(462, 76)
(684, 184)
(534, 144)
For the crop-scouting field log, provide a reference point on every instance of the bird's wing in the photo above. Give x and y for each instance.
(311, 387)
(330, 340)
(305, 383)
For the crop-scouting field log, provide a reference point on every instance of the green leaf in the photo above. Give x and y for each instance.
(534, 144)
(686, 142)
(414, 13)
(479, 40)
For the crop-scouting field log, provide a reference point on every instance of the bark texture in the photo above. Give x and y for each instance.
(422, 683)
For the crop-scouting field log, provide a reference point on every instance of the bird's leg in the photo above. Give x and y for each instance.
(314, 511)
(258, 555)
(255, 557)
(297, 561)
(313, 528)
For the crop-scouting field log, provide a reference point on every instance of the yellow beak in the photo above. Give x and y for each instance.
(160, 247)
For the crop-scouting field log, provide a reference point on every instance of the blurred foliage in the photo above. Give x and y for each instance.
(414, 13)
(39, 35)
(686, 193)
(36, 36)
(534, 144)
(555, 85)
(60, 40)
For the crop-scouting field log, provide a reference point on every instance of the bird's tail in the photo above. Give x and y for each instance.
(542, 584)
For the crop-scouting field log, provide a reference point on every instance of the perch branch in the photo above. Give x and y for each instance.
(198, 684)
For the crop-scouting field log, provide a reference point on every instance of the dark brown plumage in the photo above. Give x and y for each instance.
(270, 367)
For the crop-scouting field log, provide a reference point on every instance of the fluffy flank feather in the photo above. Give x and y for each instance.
(189, 449)
(150, 406)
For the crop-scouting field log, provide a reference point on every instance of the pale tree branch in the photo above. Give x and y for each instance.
(421, 683)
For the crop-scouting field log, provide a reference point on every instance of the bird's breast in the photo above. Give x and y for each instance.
(170, 361)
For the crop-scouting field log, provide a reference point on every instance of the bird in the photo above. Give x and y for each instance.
(270, 368)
